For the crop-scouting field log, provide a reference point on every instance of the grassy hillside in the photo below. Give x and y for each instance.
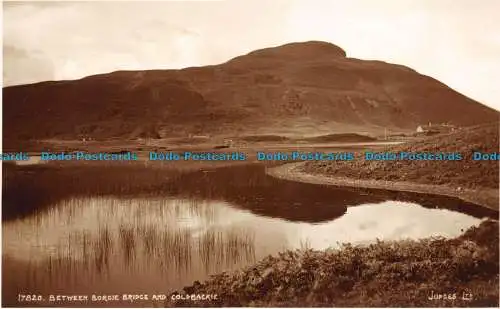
(308, 88)
(465, 173)
(340, 138)
(385, 274)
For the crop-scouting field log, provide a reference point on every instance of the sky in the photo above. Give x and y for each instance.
(454, 41)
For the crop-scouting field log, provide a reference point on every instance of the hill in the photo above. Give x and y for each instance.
(310, 88)
(466, 172)
(341, 138)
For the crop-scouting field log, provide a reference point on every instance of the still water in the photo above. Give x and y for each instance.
(203, 224)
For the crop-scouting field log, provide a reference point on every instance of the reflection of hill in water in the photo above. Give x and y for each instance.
(114, 245)
(32, 188)
(85, 244)
(250, 188)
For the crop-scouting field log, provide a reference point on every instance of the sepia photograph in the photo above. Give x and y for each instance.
(250, 153)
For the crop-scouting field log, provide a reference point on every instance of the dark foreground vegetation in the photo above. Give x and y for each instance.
(466, 172)
(392, 274)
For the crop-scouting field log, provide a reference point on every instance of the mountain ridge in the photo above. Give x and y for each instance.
(290, 89)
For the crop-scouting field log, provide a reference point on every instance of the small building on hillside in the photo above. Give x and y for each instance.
(435, 128)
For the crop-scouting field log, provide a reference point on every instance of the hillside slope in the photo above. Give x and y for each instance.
(466, 172)
(309, 87)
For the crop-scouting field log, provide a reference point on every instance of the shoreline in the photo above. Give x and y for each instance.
(359, 275)
(484, 197)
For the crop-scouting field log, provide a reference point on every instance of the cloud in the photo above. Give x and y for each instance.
(24, 67)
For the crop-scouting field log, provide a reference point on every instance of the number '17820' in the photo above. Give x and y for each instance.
(28, 298)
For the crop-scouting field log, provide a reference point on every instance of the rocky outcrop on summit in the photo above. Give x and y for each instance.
(312, 50)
